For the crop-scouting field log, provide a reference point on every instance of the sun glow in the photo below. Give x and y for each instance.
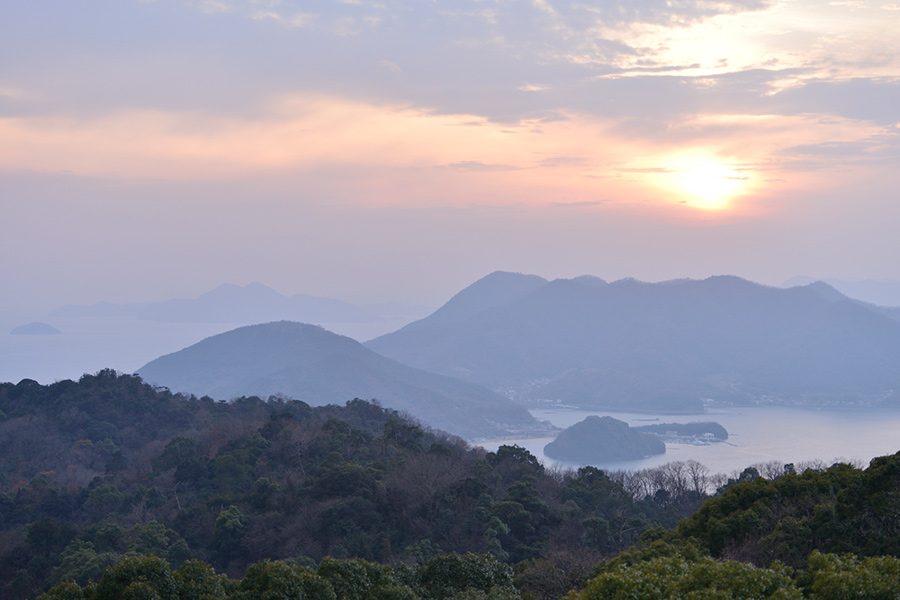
(709, 186)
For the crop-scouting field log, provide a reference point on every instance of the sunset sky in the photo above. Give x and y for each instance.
(383, 150)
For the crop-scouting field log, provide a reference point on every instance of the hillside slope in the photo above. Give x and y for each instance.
(308, 363)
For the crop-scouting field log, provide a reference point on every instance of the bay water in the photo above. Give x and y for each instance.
(756, 435)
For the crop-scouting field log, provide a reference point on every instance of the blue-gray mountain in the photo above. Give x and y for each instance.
(884, 292)
(657, 346)
(308, 363)
(35, 328)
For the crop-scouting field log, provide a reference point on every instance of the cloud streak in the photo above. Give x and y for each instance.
(478, 108)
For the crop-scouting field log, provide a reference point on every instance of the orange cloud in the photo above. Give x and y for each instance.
(389, 154)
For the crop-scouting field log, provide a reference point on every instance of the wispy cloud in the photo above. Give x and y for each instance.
(215, 6)
(291, 21)
(581, 204)
(477, 166)
(614, 92)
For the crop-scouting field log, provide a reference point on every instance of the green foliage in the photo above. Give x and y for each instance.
(197, 580)
(49, 534)
(403, 434)
(514, 462)
(81, 564)
(422, 550)
(230, 527)
(592, 490)
(840, 509)
(156, 538)
(659, 572)
(138, 577)
(494, 593)
(846, 577)
(103, 500)
(178, 451)
(281, 581)
(67, 590)
(653, 550)
(362, 580)
(446, 575)
(705, 578)
(238, 483)
(541, 579)
(262, 493)
(339, 479)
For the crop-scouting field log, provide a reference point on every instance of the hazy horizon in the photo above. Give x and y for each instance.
(859, 289)
(124, 341)
(392, 152)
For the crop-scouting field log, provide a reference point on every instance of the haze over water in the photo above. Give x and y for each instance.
(756, 435)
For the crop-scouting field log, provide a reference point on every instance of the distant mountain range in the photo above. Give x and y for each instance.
(308, 363)
(880, 292)
(881, 296)
(657, 346)
(229, 303)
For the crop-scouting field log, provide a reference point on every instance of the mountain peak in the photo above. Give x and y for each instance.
(590, 280)
(632, 344)
(880, 292)
(306, 362)
(491, 290)
(826, 291)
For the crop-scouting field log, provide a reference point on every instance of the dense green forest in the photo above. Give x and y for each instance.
(110, 488)
(109, 467)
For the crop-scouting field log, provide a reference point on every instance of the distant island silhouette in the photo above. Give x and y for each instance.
(36, 328)
(600, 439)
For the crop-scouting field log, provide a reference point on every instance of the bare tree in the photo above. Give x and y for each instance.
(698, 475)
(772, 469)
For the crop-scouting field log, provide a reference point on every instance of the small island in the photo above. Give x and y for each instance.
(36, 328)
(601, 439)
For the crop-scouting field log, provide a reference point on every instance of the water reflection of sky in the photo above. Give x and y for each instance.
(756, 435)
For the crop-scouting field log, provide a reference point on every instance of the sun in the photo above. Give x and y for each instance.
(709, 186)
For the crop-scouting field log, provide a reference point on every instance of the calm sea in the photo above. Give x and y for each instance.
(756, 435)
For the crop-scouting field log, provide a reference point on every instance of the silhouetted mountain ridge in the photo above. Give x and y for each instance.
(829, 290)
(664, 346)
(496, 289)
(880, 292)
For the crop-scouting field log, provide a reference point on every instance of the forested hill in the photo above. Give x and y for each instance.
(836, 510)
(108, 466)
(112, 489)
